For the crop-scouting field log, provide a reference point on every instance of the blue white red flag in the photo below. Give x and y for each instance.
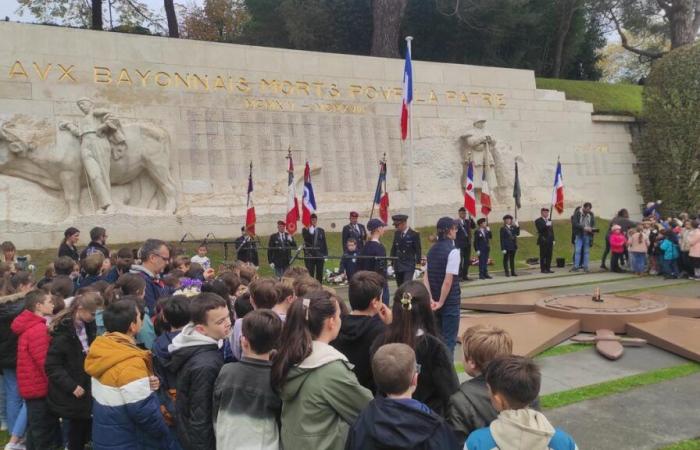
(308, 202)
(469, 194)
(381, 196)
(485, 191)
(292, 202)
(407, 92)
(250, 207)
(558, 193)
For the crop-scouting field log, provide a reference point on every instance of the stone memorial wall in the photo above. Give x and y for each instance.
(151, 136)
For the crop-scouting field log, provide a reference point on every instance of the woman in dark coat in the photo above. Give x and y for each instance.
(72, 330)
(68, 245)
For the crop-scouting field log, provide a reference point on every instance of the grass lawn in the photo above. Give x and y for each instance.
(691, 444)
(564, 349)
(620, 385)
(527, 247)
(618, 99)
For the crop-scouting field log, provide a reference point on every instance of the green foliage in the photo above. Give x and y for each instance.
(690, 444)
(564, 349)
(668, 150)
(618, 99)
(618, 386)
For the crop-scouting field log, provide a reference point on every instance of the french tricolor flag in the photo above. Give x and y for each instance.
(250, 207)
(308, 202)
(292, 203)
(485, 191)
(407, 92)
(469, 194)
(558, 193)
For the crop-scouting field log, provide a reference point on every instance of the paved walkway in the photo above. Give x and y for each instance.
(645, 418)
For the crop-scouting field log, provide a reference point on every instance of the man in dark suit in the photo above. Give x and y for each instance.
(463, 242)
(279, 249)
(545, 240)
(509, 244)
(315, 248)
(406, 248)
(247, 248)
(482, 245)
(354, 230)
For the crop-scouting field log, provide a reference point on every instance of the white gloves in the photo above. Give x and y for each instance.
(272, 265)
(505, 251)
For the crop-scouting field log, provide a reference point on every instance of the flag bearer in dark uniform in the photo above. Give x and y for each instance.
(354, 230)
(373, 255)
(315, 248)
(463, 242)
(545, 240)
(509, 244)
(482, 245)
(279, 251)
(442, 280)
(406, 248)
(247, 248)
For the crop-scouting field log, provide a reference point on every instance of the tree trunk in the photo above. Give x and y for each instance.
(96, 14)
(173, 30)
(566, 14)
(386, 19)
(681, 18)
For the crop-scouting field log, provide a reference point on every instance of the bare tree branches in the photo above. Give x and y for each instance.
(625, 42)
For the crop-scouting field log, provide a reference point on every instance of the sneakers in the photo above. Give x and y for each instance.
(15, 446)
(574, 269)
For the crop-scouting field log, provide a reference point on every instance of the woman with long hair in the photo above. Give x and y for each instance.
(413, 324)
(68, 245)
(320, 394)
(72, 330)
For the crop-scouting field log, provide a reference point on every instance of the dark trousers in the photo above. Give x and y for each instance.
(465, 261)
(79, 431)
(315, 267)
(616, 261)
(509, 261)
(448, 322)
(43, 429)
(605, 252)
(546, 257)
(402, 277)
(483, 263)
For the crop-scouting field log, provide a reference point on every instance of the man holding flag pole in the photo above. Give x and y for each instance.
(482, 237)
(466, 223)
(315, 246)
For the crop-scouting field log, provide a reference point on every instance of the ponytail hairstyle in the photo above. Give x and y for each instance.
(411, 312)
(127, 284)
(90, 301)
(68, 233)
(640, 233)
(305, 320)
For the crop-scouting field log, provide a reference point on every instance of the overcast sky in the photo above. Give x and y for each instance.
(8, 8)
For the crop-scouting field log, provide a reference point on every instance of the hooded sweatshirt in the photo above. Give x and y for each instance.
(320, 398)
(354, 341)
(126, 413)
(155, 288)
(32, 347)
(406, 424)
(520, 429)
(196, 361)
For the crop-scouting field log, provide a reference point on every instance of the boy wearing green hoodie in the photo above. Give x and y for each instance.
(514, 383)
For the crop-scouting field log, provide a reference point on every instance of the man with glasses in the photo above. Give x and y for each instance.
(155, 256)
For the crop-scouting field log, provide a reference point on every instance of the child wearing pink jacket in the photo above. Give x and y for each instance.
(617, 247)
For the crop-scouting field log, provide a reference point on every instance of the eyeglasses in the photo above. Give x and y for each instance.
(164, 258)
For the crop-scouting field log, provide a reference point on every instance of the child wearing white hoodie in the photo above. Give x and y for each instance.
(514, 382)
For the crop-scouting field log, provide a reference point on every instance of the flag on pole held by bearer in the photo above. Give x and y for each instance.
(381, 196)
(250, 207)
(485, 191)
(516, 188)
(558, 193)
(407, 93)
(308, 202)
(469, 194)
(292, 203)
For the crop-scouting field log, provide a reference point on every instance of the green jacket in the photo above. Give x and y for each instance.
(320, 399)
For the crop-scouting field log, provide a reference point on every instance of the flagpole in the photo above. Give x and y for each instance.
(514, 199)
(410, 142)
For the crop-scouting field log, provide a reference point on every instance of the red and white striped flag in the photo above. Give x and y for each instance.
(485, 191)
(250, 218)
(292, 203)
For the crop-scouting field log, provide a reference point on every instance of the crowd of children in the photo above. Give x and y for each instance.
(667, 247)
(151, 350)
